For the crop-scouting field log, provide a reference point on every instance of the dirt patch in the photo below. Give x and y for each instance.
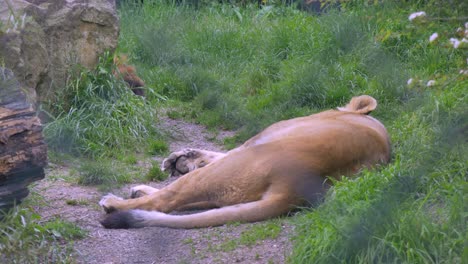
(79, 204)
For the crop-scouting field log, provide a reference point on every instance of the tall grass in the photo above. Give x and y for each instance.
(98, 115)
(245, 68)
(24, 238)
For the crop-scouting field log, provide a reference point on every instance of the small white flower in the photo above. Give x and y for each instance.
(410, 81)
(455, 42)
(466, 25)
(433, 37)
(420, 14)
(431, 83)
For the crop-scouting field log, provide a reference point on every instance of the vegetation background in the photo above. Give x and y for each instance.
(239, 67)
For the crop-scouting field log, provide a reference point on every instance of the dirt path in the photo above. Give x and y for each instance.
(155, 244)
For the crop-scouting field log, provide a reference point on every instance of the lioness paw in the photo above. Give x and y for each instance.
(180, 162)
(108, 202)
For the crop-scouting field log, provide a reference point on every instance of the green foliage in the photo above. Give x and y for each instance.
(156, 174)
(61, 229)
(96, 114)
(253, 235)
(272, 64)
(130, 159)
(25, 239)
(104, 173)
(157, 147)
(268, 230)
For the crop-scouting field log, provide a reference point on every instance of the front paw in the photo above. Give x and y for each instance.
(109, 202)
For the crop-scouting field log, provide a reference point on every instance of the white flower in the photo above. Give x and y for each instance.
(431, 83)
(466, 25)
(410, 81)
(433, 37)
(455, 42)
(420, 14)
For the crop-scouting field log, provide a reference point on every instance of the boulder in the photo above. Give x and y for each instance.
(41, 41)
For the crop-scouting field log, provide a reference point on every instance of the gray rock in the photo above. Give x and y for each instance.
(41, 41)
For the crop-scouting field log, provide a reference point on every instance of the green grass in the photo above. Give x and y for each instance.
(270, 65)
(25, 238)
(157, 147)
(97, 115)
(155, 173)
(251, 236)
(106, 174)
(259, 232)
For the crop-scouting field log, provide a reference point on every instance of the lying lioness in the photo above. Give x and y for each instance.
(283, 167)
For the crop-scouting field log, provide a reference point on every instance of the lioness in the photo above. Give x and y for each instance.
(283, 167)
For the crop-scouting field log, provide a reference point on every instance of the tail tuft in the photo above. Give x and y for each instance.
(363, 104)
(119, 220)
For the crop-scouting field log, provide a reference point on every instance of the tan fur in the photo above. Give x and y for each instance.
(283, 167)
(128, 74)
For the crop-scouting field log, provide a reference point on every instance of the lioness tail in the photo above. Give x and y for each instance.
(246, 212)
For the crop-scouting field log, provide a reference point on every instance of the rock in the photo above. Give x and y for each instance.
(23, 152)
(41, 41)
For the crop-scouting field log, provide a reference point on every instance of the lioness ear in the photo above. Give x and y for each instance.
(363, 104)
